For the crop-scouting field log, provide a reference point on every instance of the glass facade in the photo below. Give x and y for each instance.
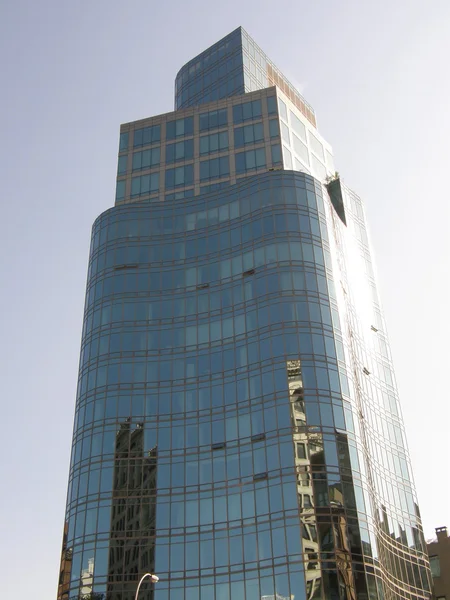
(237, 427)
(233, 66)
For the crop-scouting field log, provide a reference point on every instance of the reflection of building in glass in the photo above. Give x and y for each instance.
(439, 555)
(306, 446)
(65, 568)
(87, 579)
(133, 515)
(232, 322)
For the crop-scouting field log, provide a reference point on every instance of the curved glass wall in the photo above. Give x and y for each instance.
(227, 436)
(216, 73)
(234, 65)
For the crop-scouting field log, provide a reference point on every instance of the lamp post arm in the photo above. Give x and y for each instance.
(154, 578)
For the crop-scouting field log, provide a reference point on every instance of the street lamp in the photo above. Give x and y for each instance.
(153, 578)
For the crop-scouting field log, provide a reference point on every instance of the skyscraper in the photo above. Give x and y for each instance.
(237, 428)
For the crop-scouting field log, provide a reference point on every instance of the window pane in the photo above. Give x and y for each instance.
(146, 159)
(250, 159)
(237, 113)
(155, 156)
(214, 142)
(435, 566)
(224, 166)
(170, 153)
(120, 190)
(260, 157)
(213, 119)
(147, 135)
(298, 126)
(170, 130)
(188, 125)
(123, 142)
(180, 127)
(298, 166)
(122, 165)
(188, 149)
(300, 149)
(204, 121)
(285, 132)
(240, 162)
(204, 170)
(204, 144)
(239, 137)
(274, 128)
(179, 176)
(272, 105)
(283, 109)
(247, 112)
(179, 151)
(318, 168)
(138, 136)
(256, 108)
(287, 158)
(258, 132)
(145, 184)
(223, 140)
(135, 186)
(137, 161)
(248, 134)
(188, 174)
(276, 154)
(316, 146)
(214, 168)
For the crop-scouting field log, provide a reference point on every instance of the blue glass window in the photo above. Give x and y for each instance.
(248, 134)
(147, 135)
(144, 184)
(180, 195)
(213, 119)
(276, 154)
(272, 105)
(179, 176)
(179, 151)
(123, 142)
(214, 168)
(251, 159)
(180, 127)
(120, 190)
(247, 111)
(285, 133)
(122, 164)
(213, 187)
(215, 142)
(274, 128)
(146, 159)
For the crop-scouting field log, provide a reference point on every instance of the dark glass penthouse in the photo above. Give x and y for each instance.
(237, 428)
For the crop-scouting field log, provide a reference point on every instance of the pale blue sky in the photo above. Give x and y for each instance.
(377, 76)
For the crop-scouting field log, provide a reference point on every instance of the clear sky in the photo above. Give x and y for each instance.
(72, 71)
